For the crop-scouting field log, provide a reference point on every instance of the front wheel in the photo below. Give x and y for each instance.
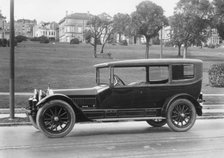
(56, 118)
(157, 122)
(181, 115)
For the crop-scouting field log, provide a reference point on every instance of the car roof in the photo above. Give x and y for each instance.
(144, 62)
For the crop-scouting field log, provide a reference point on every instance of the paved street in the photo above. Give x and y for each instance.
(123, 139)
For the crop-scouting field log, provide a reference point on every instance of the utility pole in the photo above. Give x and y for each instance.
(161, 43)
(12, 63)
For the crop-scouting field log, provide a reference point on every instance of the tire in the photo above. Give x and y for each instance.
(156, 122)
(56, 119)
(181, 115)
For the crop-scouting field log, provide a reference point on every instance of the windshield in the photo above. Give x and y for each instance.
(103, 76)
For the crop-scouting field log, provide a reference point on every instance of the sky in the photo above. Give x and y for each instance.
(55, 10)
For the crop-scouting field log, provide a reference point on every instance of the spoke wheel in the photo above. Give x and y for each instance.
(156, 122)
(181, 115)
(56, 119)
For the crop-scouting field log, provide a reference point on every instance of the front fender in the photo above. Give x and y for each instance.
(169, 101)
(80, 116)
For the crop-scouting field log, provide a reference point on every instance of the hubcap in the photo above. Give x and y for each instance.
(56, 118)
(182, 115)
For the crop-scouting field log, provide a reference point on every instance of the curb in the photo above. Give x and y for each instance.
(15, 124)
(7, 111)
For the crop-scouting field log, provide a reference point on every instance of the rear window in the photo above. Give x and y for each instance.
(182, 72)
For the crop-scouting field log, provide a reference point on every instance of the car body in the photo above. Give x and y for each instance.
(158, 91)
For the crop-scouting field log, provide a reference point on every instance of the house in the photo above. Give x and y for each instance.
(73, 26)
(48, 29)
(214, 38)
(4, 27)
(24, 27)
(165, 34)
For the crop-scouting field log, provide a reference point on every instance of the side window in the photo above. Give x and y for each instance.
(182, 72)
(158, 74)
(129, 76)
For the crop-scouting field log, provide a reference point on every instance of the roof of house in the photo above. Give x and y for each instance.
(80, 16)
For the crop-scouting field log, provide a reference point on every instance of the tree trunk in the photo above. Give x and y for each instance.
(135, 39)
(102, 48)
(185, 52)
(179, 50)
(95, 47)
(147, 48)
(119, 38)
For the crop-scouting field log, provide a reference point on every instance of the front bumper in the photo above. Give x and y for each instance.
(33, 101)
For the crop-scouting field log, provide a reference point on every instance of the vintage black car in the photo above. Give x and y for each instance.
(158, 91)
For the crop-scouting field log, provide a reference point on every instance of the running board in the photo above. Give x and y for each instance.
(128, 119)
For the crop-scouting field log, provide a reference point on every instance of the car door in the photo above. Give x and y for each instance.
(125, 87)
(158, 88)
(121, 97)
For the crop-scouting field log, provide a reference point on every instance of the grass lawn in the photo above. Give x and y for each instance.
(70, 66)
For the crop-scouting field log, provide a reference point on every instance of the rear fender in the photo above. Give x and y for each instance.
(169, 101)
(80, 116)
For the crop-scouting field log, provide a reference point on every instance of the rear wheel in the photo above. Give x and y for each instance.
(56, 119)
(181, 115)
(156, 122)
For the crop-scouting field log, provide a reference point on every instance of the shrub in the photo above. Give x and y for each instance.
(35, 39)
(216, 75)
(44, 39)
(168, 44)
(156, 41)
(74, 41)
(211, 46)
(124, 43)
(20, 38)
(3, 42)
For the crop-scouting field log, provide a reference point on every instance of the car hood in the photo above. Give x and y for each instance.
(80, 91)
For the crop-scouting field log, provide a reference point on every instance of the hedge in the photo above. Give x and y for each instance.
(216, 75)
(74, 41)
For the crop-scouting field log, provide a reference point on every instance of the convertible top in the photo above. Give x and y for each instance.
(143, 62)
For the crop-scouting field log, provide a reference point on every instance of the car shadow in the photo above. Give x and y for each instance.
(116, 130)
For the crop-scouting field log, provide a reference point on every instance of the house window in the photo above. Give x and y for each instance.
(79, 29)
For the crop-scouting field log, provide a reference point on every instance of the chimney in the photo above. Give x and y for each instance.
(66, 13)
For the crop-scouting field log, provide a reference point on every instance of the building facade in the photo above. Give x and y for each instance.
(49, 30)
(4, 27)
(73, 26)
(214, 38)
(164, 33)
(24, 27)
